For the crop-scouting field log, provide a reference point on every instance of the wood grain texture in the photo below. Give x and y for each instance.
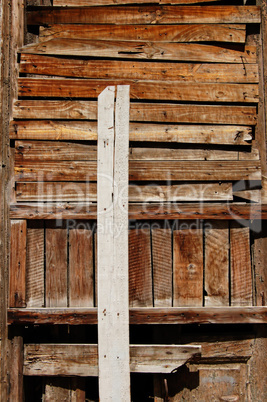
(140, 269)
(56, 389)
(72, 360)
(17, 267)
(155, 211)
(162, 267)
(64, 151)
(217, 264)
(188, 267)
(35, 265)
(16, 369)
(154, 315)
(138, 70)
(142, 171)
(139, 112)
(73, 130)
(241, 270)
(81, 275)
(84, 3)
(56, 267)
(156, 33)
(81, 192)
(160, 90)
(144, 50)
(145, 15)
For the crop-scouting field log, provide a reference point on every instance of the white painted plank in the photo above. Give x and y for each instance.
(112, 253)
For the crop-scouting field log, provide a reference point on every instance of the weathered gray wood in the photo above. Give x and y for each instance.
(112, 250)
(82, 130)
(81, 360)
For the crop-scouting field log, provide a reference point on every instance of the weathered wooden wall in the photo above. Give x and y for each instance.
(197, 165)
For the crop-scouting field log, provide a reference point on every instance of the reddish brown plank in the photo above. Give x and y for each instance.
(161, 90)
(241, 270)
(145, 15)
(140, 269)
(188, 266)
(217, 264)
(16, 369)
(158, 33)
(142, 171)
(56, 266)
(17, 267)
(162, 267)
(139, 70)
(139, 112)
(144, 50)
(174, 315)
(83, 130)
(84, 3)
(81, 286)
(155, 211)
(35, 265)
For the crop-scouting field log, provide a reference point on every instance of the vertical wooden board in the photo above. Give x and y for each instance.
(17, 268)
(95, 268)
(241, 272)
(77, 392)
(140, 269)
(162, 267)
(81, 275)
(57, 390)
(56, 266)
(112, 250)
(188, 267)
(217, 264)
(35, 264)
(16, 369)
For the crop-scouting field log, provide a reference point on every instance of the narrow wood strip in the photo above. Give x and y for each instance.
(73, 130)
(35, 265)
(143, 14)
(116, 69)
(188, 267)
(81, 360)
(142, 171)
(84, 3)
(153, 211)
(70, 151)
(204, 92)
(159, 33)
(144, 50)
(81, 275)
(80, 192)
(139, 112)
(56, 267)
(16, 369)
(241, 270)
(162, 267)
(217, 264)
(174, 315)
(140, 268)
(17, 267)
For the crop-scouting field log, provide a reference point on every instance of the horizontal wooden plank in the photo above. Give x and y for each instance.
(82, 360)
(156, 33)
(83, 3)
(139, 70)
(144, 50)
(160, 90)
(155, 211)
(154, 315)
(139, 112)
(144, 14)
(141, 170)
(83, 130)
(71, 151)
(80, 192)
